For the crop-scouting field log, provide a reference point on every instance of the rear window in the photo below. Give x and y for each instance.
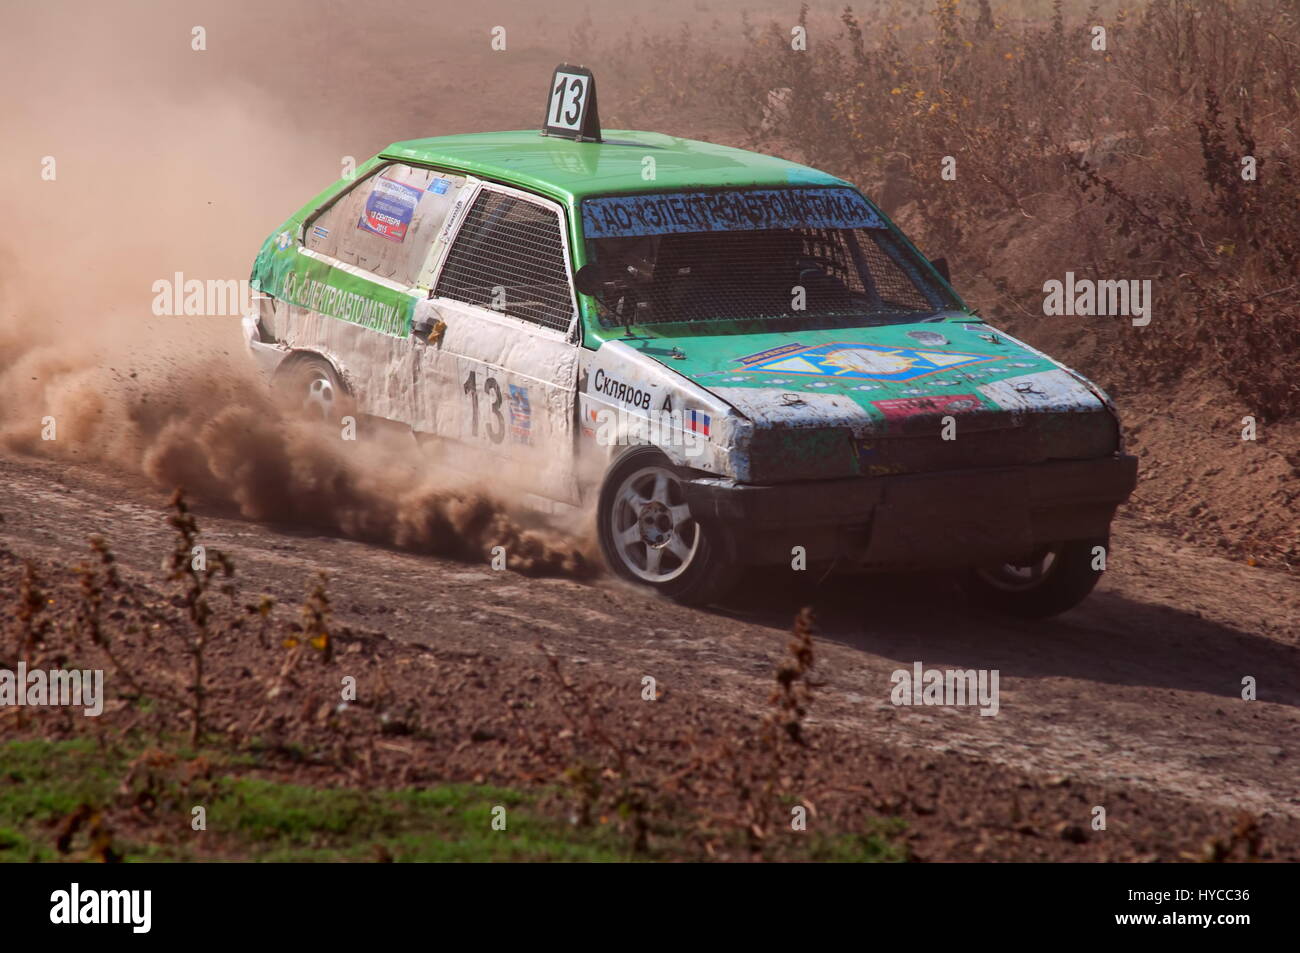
(387, 222)
(802, 256)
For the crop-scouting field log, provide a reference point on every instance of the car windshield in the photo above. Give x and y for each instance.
(807, 257)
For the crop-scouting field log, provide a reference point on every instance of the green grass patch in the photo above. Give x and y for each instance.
(250, 818)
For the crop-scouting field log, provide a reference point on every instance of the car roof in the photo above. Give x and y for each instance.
(570, 171)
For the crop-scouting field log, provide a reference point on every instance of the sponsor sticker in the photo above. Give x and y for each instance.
(439, 186)
(726, 211)
(899, 408)
(452, 216)
(521, 415)
(770, 354)
(389, 209)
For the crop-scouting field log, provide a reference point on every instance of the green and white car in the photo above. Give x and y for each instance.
(738, 359)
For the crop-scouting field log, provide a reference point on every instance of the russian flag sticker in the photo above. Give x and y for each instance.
(698, 422)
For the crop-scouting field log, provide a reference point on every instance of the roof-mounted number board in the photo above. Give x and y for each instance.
(571, 105)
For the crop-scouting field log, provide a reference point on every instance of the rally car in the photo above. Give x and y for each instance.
(737, 359)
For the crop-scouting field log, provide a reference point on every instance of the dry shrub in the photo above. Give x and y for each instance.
(736, 792)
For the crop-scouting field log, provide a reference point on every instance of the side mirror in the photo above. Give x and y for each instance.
(592, 277)
(587, 279)
(941, 266)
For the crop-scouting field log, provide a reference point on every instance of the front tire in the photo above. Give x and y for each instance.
(1046, 583)
(649, 535)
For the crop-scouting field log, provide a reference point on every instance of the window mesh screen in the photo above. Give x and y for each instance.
(714, 276)
(509, 256)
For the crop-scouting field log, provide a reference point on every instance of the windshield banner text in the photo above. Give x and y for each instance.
(670, 212)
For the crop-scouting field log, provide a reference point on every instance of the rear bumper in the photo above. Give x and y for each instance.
(267, 357)
(936, 519)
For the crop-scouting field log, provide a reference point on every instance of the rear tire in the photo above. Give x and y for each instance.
(648, 534)
(312, 389)
(1050, 581)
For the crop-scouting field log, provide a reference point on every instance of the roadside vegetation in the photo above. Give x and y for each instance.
(235, 729)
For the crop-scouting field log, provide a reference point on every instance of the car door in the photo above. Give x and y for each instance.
(504, 294)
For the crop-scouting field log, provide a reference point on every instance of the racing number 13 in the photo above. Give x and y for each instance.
(495, 433)
(568, 103)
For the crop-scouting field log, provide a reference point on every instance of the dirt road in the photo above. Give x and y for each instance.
(1138, 689)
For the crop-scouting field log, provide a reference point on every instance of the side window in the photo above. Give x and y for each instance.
(509, 256)
(387, 222)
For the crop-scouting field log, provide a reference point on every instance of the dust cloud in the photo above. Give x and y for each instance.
(129, 159)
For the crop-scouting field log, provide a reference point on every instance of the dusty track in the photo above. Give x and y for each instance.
(1139, 688)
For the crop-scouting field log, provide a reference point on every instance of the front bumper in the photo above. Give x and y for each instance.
(947, 518)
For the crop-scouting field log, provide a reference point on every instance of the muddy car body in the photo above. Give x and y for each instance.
(757, 366)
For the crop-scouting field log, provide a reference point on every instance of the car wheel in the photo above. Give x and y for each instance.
(1048, 582)
(310, 387)
(649, 535)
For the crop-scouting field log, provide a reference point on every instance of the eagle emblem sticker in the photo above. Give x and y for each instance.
(860, 361)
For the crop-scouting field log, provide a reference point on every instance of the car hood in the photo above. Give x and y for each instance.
(874, 379)
(843, 402)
